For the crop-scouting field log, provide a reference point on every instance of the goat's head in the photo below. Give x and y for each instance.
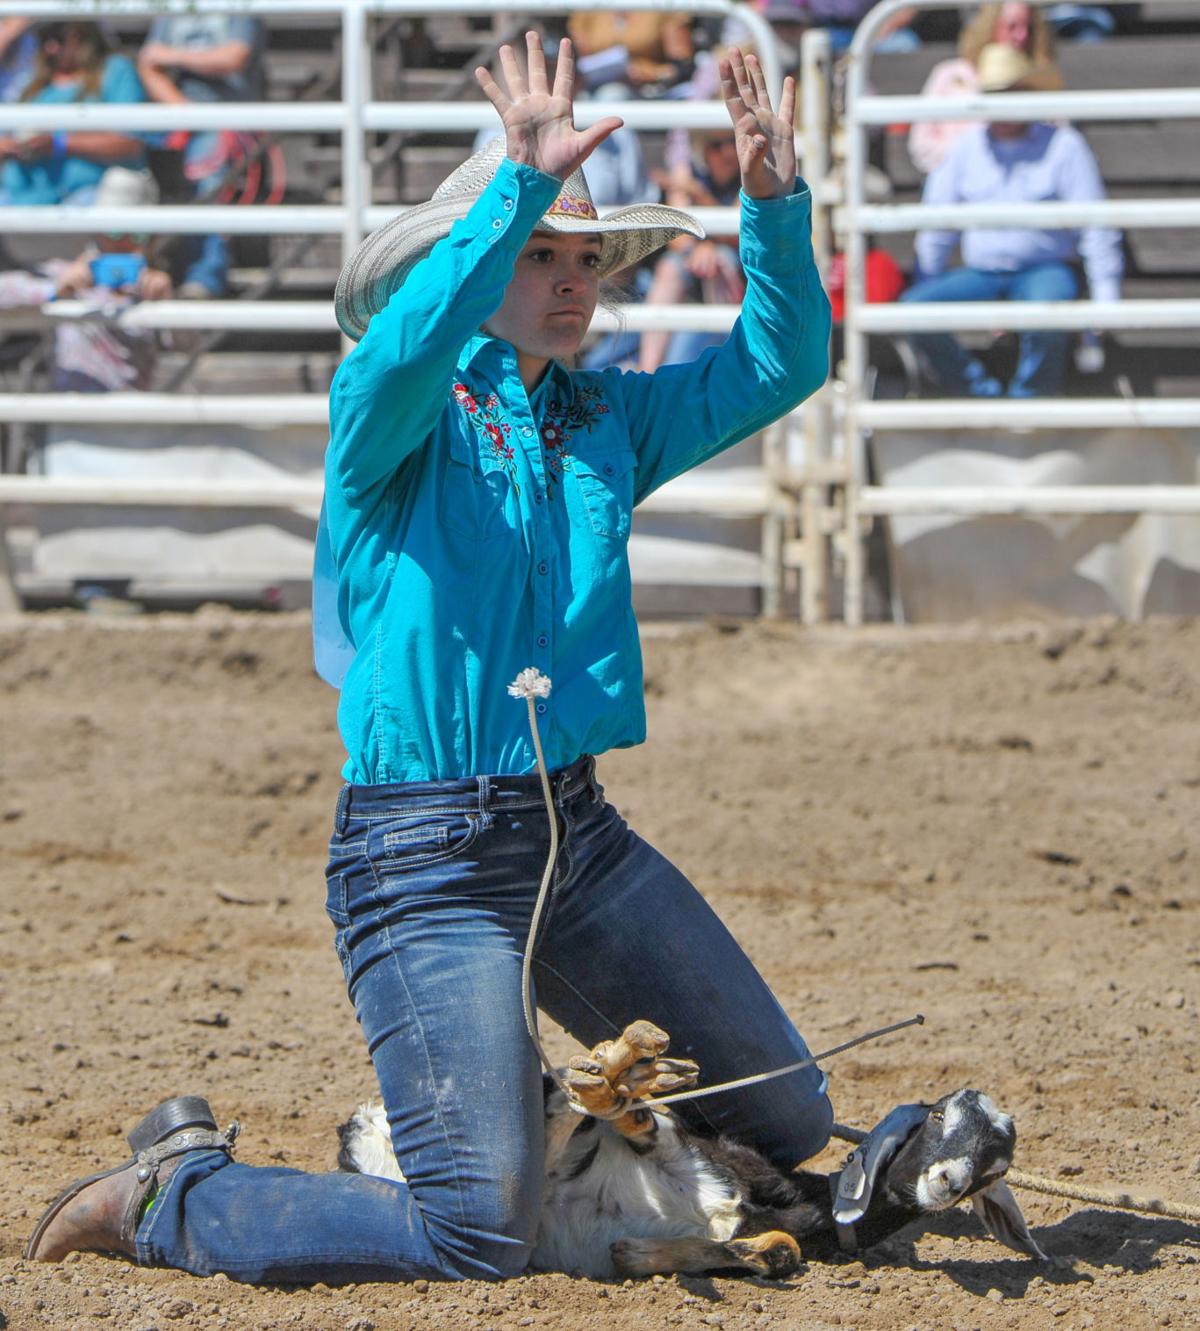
(926, 1158)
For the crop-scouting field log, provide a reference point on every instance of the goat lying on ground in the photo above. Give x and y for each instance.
(640, 1193)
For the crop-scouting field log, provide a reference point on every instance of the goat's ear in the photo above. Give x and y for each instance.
(996, 1206)
(856, 1183)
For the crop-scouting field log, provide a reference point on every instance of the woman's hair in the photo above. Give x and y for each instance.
(978, 33)
(96, 50)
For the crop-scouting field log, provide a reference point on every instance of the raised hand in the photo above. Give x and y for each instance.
(538, 121)
(766, 143)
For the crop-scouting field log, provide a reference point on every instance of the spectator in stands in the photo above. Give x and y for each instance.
(100, 355)
(1012, 162)
(75, 62)
(1009, 23)
(204, 58)
(18, 52)
(640, 53)
(697, 270)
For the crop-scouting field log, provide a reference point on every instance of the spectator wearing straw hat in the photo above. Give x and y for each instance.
(1002, 163)
(479, 495)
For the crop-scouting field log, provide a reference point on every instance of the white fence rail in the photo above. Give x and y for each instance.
(828, 494)
(354, 116)
(857, 218)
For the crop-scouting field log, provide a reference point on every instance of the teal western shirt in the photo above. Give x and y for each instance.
(477, 529)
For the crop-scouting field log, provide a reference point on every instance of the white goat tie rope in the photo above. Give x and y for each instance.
(531, 684)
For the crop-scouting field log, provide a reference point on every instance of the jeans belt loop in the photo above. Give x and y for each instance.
(341, 815)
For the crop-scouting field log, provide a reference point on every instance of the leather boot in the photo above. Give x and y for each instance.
(100, 1213)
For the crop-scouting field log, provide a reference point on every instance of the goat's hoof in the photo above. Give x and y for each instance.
(641, 1041)
(593, 1092)
(774, 1254)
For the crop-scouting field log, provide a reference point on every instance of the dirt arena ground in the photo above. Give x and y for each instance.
(994, 827)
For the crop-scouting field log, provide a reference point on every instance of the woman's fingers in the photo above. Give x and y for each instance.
(742, 78)
(538, 82)
(512, 73)
(787, 103)
(758, 79)
(564, 71)
(491, 89)
(729, 91)
(589, 138)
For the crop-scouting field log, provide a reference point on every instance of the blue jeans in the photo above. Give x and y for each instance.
(206, 257)
(431, 889)
(1041, 356)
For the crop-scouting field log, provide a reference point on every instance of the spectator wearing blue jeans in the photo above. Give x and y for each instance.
(204, 58)
(1012, 162)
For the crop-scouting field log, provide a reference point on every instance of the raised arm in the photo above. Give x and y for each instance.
(777, 352)
(388, 392)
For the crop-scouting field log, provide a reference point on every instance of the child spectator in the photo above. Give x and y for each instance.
(697, 270)
(75, 62)
(99, 355)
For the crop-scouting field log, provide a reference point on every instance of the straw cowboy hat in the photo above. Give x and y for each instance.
(1002, 68)
(380, 265)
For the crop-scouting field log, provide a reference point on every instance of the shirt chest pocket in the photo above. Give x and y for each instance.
(606, 485)
(477, 494)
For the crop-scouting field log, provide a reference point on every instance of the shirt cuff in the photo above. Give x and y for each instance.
(513, 203)
(778, 229)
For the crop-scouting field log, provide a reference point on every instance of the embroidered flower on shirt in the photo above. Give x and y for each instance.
(490, 427)
(464, 398)
(560, 424)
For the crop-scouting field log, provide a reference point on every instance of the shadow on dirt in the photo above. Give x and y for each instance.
(1091, 1238)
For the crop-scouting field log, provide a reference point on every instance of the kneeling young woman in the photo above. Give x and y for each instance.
(478, 502)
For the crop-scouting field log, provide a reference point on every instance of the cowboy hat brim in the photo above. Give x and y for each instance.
(382, 263)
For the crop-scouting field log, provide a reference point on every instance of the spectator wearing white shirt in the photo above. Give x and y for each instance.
(1012, 162)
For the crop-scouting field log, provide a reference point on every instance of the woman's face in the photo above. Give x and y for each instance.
(549, 302)
(1014, 26)
(65, 48)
